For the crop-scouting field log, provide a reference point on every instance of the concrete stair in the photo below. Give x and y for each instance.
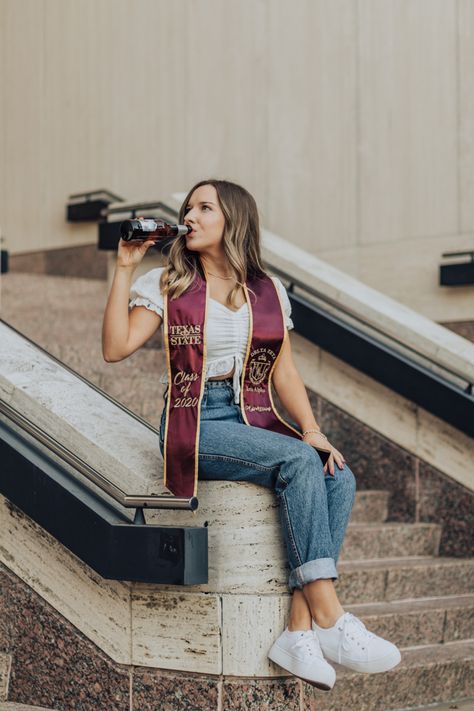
(390, 540)
(363, 581)
(370, 506)
(427, 673)
(422, 603)
(465, 705)
(431, 620)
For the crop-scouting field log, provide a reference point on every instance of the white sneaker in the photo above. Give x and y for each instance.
(349, 643)
(300, 654)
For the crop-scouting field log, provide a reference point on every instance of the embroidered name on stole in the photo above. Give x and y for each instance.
(184, 335)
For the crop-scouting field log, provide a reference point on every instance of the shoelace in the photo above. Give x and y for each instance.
(309, 642)
(355, 630)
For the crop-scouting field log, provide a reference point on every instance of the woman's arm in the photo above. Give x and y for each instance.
(124, 333)
(291, 389)
(292, 393)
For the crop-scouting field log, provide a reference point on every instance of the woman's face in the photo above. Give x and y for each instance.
(206, 218)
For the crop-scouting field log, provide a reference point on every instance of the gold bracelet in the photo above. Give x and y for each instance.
(316, 431)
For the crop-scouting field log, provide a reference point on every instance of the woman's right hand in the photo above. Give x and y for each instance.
(130, 254)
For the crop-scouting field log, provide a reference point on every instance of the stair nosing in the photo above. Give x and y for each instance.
(405, 561)
(432, 658)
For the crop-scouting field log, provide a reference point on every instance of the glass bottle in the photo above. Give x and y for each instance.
(150, 227)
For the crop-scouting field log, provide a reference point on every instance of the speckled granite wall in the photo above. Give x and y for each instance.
(55, 666)
(418, 492)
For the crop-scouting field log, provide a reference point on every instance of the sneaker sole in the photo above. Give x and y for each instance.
(377, 666)
(284, 660)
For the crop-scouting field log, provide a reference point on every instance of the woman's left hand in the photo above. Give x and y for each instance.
(319, 442)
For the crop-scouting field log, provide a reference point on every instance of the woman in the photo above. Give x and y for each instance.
(221, 258)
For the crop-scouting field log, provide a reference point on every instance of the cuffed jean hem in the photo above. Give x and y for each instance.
(312, 570)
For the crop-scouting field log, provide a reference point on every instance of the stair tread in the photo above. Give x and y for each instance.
(393, 524)
(425, 656)
(412, 604)
(403, 562)
(462, 705)
(372, 493)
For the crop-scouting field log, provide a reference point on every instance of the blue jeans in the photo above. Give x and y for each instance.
(314, 506)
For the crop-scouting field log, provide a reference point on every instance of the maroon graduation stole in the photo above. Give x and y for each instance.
(184, 335)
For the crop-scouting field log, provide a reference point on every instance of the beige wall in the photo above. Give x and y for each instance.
(352, 122)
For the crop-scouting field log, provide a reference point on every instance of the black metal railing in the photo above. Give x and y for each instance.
(459, 272)
(443, 390)
(87, 206)
(36, 481)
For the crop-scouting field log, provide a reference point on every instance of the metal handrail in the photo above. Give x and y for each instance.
(352, 313)
(149, 501)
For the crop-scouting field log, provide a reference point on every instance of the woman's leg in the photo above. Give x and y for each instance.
(314, 513)
(320, 595)
(342, 637)
(300, 614)
(314, 508)
(318, 599)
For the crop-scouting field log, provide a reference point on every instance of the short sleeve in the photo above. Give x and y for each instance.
(285, 302)
(145, 291)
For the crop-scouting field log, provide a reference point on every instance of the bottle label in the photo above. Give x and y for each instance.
(148, 225)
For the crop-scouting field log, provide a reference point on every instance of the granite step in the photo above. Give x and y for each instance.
(463, 705)
(432, 620)
(362, 581)
(389, 540)
(426, 675)
(370, 506)
(12, 706)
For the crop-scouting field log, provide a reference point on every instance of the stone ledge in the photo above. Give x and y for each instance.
(74, 413)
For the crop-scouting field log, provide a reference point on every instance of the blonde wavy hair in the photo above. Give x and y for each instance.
(241, 242)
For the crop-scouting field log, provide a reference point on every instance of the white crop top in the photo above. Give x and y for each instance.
(226, 330)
